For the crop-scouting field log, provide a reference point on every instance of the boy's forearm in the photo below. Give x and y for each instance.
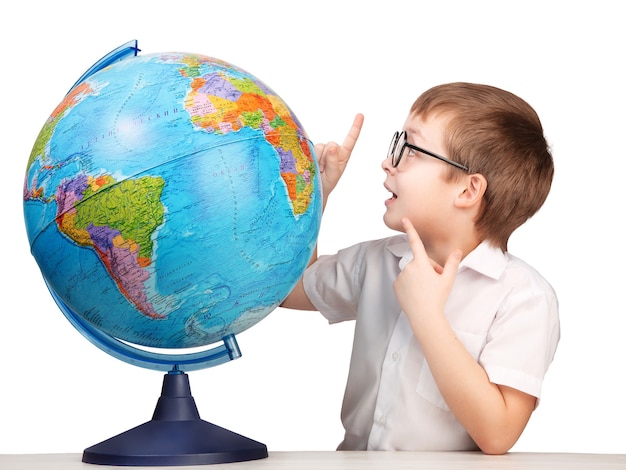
(297, 298)
(493, 416)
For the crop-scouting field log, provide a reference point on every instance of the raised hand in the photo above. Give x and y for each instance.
(333, 158)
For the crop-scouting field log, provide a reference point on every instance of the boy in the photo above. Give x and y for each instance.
(453, 335)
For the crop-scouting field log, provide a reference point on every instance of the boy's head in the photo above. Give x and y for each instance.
(497, 134)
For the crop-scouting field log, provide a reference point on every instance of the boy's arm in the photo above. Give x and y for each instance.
(493, 415)
(297, 298)
(332, 160)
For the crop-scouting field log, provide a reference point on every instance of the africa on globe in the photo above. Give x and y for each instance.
(171, 200)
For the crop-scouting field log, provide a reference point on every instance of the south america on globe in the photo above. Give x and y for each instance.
(171, 200)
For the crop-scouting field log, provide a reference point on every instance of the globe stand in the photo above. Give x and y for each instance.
(175, 436)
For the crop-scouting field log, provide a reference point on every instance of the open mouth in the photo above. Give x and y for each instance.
(393, 196)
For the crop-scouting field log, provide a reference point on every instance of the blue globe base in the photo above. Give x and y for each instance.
(175, 436)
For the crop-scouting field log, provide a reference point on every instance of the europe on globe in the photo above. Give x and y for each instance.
(171, 200)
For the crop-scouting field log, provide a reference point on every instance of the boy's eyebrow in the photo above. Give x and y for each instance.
(412, 132)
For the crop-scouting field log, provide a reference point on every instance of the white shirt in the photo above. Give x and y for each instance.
(500, 308)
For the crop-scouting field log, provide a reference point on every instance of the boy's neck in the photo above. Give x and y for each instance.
(440, 249)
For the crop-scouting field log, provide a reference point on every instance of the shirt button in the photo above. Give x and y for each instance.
(382, 420)
(395, 356)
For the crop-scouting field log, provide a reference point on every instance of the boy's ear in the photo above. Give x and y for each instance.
(473, 189)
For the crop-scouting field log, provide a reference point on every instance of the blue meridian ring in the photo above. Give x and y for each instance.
(150, 360)
(122, 52)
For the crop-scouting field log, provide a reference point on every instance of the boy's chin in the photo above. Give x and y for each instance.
(392, 223)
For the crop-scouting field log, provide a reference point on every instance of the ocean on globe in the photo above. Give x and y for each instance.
(172, 200)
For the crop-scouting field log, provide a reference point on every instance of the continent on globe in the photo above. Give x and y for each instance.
(72, 98)
(223, 103)
(117, 221)
(172, 200)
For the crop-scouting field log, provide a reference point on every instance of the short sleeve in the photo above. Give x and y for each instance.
(523, 337)
(333, 285)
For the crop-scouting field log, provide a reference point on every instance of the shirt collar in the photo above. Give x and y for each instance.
(485, 259)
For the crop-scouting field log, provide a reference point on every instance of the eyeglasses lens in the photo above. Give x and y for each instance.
(396, 147)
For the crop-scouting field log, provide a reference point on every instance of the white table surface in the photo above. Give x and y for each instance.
(354, 461)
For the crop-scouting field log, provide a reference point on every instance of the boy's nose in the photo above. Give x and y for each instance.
(386, 164)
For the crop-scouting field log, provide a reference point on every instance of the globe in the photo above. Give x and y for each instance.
(171, 201)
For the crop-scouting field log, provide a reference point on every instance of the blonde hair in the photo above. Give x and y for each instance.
(499, 135)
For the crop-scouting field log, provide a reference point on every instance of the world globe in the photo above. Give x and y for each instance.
(171, 201)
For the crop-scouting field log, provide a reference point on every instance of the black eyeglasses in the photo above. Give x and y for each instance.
(399, 143)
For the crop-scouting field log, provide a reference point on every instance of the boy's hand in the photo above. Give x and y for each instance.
(333, 158)
(423, 285)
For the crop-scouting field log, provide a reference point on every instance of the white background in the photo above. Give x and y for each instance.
(329, 60)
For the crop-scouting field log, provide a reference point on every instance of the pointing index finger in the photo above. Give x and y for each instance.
(417, 247)
(354, 132)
